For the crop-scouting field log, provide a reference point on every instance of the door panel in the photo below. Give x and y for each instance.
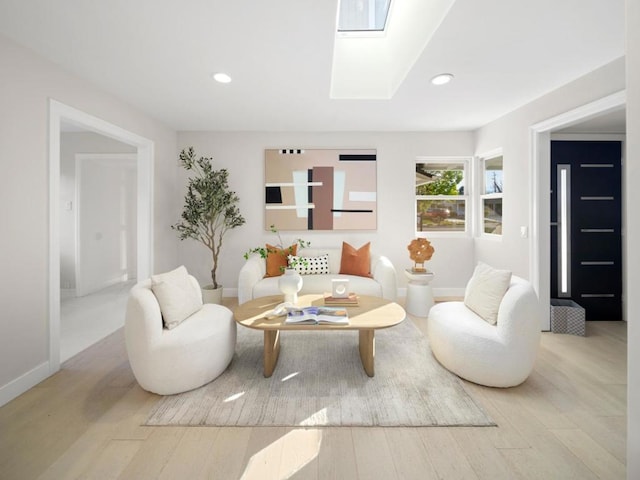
(595, 219)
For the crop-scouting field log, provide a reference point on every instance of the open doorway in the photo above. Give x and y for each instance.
(141, 150)
(540, 202)
(97, 236)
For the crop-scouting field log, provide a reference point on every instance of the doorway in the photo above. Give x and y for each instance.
(59, 114)
(586, 225)
(97, 236)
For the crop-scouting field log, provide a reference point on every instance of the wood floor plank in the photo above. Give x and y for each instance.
(601, 462)
(264, 453)
(337, 458)
(373, 457)
(112, 460)
(568, 420)
(153, 454)
(189, 458)
(300, 450)
(409, 455)
(504, 435)
(486, 460)
(226, 459)
(445, 454)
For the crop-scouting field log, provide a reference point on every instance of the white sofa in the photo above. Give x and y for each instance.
(183, 358)
(501, 355)
(252, 284)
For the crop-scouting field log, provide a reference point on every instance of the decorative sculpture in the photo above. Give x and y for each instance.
(420, 250)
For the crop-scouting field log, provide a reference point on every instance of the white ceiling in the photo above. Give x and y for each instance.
(158, 55)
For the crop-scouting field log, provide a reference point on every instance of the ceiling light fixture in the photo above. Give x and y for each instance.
(222, 78)
(442, 79)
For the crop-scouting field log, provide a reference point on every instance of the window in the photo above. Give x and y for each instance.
(441, 199)
(491, 195)
(363, 15)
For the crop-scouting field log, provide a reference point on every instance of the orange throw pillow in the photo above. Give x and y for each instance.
(356, 262)
(277, 257)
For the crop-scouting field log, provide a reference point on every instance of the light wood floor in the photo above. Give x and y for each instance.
(567, 421)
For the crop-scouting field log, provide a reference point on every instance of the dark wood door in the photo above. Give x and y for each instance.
(592, 170)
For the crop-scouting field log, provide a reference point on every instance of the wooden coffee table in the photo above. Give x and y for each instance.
(371, 314)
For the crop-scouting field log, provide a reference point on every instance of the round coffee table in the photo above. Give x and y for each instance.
(370, 314)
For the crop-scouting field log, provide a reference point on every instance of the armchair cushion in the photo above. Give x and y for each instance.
(176, 295)
(485, 291)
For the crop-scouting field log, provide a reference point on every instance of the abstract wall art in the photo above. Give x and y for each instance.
(320, 189)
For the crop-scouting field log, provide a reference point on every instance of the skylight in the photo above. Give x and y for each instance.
(370, 64)
(363, 15)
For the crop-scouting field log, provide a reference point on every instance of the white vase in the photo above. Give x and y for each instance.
(290, 284)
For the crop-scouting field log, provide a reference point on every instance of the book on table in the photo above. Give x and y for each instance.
(317, 315)
(352, 299)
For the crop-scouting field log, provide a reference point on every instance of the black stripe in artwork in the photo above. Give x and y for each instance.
(335, 210)
(310, 198)
(273, 195)
(357, 157)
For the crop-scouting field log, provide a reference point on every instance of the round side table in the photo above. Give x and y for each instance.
(419, 296)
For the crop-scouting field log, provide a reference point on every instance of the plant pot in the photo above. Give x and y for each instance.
(290, 284)
(212, 295)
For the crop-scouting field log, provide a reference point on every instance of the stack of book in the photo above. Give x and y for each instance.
(351, 300)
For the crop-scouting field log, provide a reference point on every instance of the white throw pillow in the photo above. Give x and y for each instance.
(485, 291)
(177, 296)
(314, 265)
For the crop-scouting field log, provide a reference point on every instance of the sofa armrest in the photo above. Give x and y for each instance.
(385, 274)
(251, 273)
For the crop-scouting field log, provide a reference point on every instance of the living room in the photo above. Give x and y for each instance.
(30, 80)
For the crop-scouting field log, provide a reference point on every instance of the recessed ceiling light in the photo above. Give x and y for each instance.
(442, 79)
(222, 77)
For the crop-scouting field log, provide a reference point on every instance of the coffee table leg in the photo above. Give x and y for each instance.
(271, 351)
(367, 350)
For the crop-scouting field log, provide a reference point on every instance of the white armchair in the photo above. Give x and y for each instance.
(183, 358)
(501, 355)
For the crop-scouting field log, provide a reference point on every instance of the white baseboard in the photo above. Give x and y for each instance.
(230, 292)
(23, 383)
(66, 293)
(448, 293)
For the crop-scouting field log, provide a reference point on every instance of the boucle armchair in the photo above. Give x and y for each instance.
(500, 355)
(190, 355)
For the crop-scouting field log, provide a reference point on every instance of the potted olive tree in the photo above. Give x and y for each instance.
(210, 211)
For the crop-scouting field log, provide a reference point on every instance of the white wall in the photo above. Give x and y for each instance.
(28, 82)
(72, 143)
(633, 233)
(243, 155)
(512, 134)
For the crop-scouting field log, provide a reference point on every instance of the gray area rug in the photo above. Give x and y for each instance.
(319, 381)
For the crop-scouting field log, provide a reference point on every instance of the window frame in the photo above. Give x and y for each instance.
(466, 161)
(482, 196)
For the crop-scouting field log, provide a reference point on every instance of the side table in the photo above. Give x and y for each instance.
(419, 295)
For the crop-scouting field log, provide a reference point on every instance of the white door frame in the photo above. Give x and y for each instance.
(59, 112)
(539, 201)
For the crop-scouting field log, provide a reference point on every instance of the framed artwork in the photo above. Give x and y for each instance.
(320, 189)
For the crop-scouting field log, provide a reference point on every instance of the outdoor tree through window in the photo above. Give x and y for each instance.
(440, 195)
